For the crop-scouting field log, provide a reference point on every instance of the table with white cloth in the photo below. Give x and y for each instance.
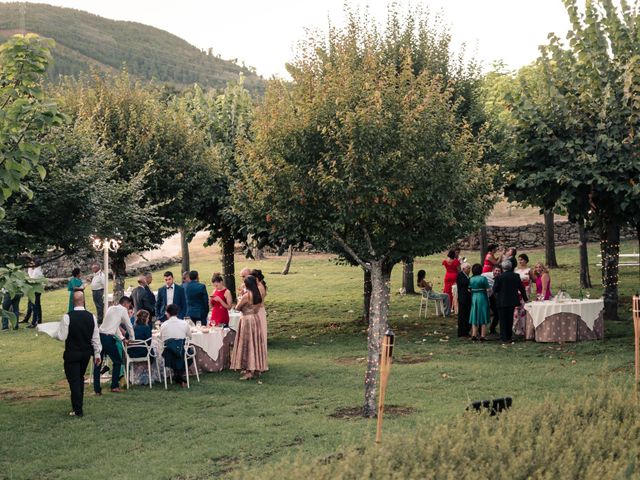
(213, 353)
(564, 320)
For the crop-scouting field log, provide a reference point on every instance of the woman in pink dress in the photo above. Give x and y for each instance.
(220, 302)
(262, 313)
(452, 267)
(491, 259)
(543, 282)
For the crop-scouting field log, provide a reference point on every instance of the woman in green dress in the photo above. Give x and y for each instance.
(74, 285)
(479, 317)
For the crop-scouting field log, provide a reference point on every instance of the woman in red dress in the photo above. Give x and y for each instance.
(452, 266)
(491, 259)
(220, 302)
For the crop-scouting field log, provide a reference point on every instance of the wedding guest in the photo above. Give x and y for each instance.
(510, 255)
(507, 286)
(452, 266)
(34, 308)
(185, 279)
(98, 284)
(427, 290)
(75, 284)
(170, 293)
(117, 316)
(142, 296)
(142, 331)
(493, 307)
(11, 304)
(173, 333)
(492, 258)
(464, 300)
(79, 331)
(524, 271)
(262, 312)
(249, 352)
(543, 282)
(197, 299)
(221, 302)
(479, 317)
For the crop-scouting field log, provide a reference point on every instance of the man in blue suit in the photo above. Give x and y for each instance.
(170, 293)
(197, 299)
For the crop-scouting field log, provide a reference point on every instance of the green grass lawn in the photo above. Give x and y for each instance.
(316, 352)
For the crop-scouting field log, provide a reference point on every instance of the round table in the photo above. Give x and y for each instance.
(564, 320)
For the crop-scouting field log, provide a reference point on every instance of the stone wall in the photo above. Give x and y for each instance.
(530, 236)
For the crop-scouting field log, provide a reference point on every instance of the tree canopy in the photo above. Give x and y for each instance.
(367, 155)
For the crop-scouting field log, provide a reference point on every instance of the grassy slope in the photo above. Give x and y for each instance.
(316, 349)
(85, 40)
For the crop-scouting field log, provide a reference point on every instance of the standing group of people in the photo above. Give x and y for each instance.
(85, 335)
(489, 295)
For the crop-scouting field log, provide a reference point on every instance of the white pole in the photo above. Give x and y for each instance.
(106, 279)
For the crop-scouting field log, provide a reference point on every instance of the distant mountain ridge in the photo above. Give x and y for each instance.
(84, 40)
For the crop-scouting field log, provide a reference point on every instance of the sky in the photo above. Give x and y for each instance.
(263, 33)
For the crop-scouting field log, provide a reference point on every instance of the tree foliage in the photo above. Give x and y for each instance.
(26, 113)
(366, 154)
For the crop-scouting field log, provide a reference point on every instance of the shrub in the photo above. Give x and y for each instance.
(592, 436)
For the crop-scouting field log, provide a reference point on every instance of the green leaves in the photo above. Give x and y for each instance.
(26, 115)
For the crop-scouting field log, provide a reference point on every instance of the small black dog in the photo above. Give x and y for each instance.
(492, 406)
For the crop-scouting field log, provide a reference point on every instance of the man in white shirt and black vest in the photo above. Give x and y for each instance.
(79, 331)
(98, 283)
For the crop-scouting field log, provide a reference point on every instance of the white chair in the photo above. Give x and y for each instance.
(424, 303)
(189, 354)
(130, 361)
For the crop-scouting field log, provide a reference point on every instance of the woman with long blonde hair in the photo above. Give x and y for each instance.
(543, 281)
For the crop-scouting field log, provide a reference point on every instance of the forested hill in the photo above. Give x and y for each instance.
(84, 40)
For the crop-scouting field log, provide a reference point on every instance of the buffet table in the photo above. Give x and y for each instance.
(564, 321)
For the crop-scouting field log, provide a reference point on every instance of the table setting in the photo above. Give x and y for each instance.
(564, 319)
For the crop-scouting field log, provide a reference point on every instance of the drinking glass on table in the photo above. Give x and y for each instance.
(198, 324)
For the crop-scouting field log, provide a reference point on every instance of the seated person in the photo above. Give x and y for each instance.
(427, 291)
(142, 331)
(173, 333)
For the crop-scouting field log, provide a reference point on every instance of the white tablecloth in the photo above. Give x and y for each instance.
(588, 310)
(50, 328)
(211, 341)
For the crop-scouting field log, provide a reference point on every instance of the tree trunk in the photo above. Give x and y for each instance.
(287, 266)
(407, 276)
(184, 248)
(610, 251)
(549, 239)
(585, 276)
(119, 271)
(228, 245)
(482, 237)
(638, 235)
(380, 282)
(367, 297)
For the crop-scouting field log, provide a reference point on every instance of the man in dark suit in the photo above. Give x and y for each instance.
(506, 288)
(464, 300)
(142, 296)
(79, 331)
(197, 299)
(170, 293)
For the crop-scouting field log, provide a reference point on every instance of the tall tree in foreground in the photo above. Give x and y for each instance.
(368, 158)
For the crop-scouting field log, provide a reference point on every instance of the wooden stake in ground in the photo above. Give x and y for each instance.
(385, 368)
(636, 332)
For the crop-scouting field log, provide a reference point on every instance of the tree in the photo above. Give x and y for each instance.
(225, 119)
(153, 142)
(26, 113)
(578, 125)
(350, 153)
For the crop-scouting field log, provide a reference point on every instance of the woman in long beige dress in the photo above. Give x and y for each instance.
(250, 346)
(262, 313)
